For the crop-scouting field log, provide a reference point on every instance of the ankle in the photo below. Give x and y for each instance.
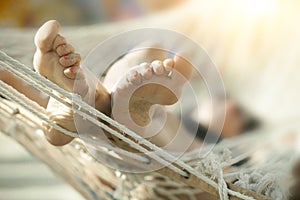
(103, 101)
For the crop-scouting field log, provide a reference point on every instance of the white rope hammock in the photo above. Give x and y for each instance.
(190, 168)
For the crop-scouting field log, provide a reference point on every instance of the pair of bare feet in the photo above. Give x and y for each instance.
(143, 85)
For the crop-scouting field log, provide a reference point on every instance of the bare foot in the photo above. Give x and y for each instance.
(146, 85)
(56, 60)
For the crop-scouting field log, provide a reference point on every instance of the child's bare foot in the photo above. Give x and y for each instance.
(56, 60)
(144, 86)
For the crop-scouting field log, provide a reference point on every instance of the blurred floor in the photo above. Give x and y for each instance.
(23, 177)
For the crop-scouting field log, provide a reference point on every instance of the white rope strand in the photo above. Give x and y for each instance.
(223, 190)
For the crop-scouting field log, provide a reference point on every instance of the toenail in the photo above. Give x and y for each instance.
(156, 63)
(74, 69)
(145, 64)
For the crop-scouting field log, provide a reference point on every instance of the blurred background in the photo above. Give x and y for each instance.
(32, 13)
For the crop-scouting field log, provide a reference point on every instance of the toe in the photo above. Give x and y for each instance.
(71, 72)
(74, 72)
(158, 67)
(146, 71)
(134, 77)
(46, 35)
(69, 60)
(64, 49)
(59, 40)
(168, 64)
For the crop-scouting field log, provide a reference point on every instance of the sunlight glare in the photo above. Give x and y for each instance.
(256, 8)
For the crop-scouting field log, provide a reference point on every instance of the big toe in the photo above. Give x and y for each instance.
(45, 36)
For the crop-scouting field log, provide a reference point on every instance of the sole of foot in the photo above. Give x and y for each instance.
(138, 98)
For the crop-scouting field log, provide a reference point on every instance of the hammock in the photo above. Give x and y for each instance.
(193, 175)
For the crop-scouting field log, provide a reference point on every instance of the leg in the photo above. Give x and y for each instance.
(23, 88)
(55, 59)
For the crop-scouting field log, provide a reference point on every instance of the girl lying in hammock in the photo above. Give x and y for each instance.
(56, 59)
